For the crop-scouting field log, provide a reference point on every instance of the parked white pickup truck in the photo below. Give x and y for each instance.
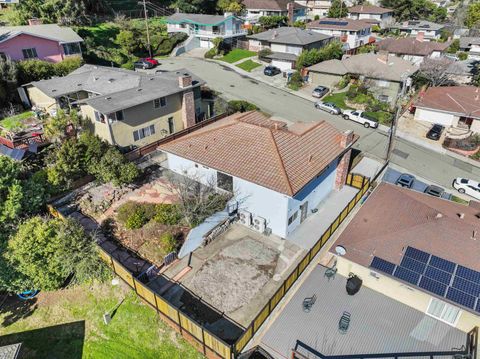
(360, 117)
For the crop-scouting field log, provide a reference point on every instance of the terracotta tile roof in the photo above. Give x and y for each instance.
(278, 5)
(258, 149)
(411, 46)
(464, 100)
(394, 218)
(368, 9)
(339, 24)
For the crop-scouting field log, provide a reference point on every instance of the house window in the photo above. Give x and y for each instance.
(171, 125)
(160, 102)
(443, 311)
(115, 116)
(99, 117)
(71, 49)
(30, 53)
(383, 83)
(224, 182)
(292, 218)
(143, 132)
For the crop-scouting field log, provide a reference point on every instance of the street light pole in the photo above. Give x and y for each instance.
(393, 127)
(146, 24)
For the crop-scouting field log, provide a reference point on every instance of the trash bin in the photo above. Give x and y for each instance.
(353, 284)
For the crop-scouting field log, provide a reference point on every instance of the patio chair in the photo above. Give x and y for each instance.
(344, 323)
(308, 303)
(330, 273)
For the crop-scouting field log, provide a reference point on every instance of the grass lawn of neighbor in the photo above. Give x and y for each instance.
(237, 55)
(338, 99)
(12, 122)
(68, 324)
(383, 117)
(249, 65)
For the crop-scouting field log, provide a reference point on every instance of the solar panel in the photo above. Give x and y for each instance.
(461, 298)
(330, 22)
(442, 264)
(382, 265)
(413, 265)
(438, 275)
(478, 306)
(416, 254)
(407, 275)
(433, 286)
(468, 273)
(466, 286)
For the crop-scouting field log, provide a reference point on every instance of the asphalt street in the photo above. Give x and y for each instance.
(435, 167)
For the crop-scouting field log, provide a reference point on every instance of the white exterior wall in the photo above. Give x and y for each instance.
(282, 65)
(297, 50)
(258, 200)
(433, 116)
(353, 40)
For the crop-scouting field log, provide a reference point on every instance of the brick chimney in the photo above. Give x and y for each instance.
(290, 8)
(344, 162)
(188, 109)
(35, 21)
(185, 81)
(420, 36)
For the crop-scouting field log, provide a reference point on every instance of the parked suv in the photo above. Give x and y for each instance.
(319, 91)
(328, 107)
(435, 132)
(360, 117)
(271, 71)
(467, 186)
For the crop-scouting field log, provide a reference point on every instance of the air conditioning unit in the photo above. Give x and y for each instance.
(259, 224)
(245, 217)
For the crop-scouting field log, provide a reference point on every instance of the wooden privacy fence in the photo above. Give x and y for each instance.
(354, 180)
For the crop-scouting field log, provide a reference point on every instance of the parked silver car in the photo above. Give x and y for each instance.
(319, 91)
(328, 107)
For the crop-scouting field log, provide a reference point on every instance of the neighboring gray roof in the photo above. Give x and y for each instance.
(10, 351)
(200, 19)
(47, 31)
(117, 89)
(466, 42)
(290, 36)
(418, 25)
(282, 56)
(370, 65)
(379, 324)
(465, 68)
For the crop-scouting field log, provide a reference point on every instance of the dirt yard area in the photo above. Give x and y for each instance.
(239, 271)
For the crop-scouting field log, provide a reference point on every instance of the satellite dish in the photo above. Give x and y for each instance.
(340, 250)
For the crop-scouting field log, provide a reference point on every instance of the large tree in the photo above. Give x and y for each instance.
(415, 10)
(338, 9)
(235, 6)
(196, 6)
(8, 80)
(472, 19)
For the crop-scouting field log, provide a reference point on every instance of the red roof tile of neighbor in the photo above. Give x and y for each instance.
(369, 9)
(463, 100)
(258, 149)
(411, 46)
(394, 218)
(279, 5)
(339, 24)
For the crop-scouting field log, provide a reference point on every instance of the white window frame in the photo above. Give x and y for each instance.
(159, 103)
(33, 51)
(144, 132)
(67, 47)
(445, 306)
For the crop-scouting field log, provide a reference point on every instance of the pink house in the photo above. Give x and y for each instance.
(48, 42)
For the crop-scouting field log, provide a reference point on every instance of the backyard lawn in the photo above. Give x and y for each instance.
(248, 65)
(237, 55)
(338, 99)
(68, 324)
(12, 122)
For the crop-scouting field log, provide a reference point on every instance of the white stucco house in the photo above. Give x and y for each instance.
(276, 173)
(430, 30)
(316, 7)
(204, 28)
(352, 33)
(376, 15)
(286, 44)
(255, 9)
(450, 106)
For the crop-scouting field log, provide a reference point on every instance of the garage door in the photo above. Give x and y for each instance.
(282, 65)
(205, 43)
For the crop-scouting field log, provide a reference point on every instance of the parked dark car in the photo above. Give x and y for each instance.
(271, 71)
(143, 64)
(319, 91)
(435, 132)
(435, 191)
(405, 180)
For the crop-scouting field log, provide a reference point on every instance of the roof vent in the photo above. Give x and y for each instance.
(439, 215)
(461, 215)
(54, 90)
(108, 98)
(139, 89)
(151, 78)
(111, 80)
(474, 235)
(79, 84)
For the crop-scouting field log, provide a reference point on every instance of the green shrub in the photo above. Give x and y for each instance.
(362, 98)
(345, 80)
(168, 242)
(135, 215)
(168, 214)
(296, 81)
(210, 54)
(63, 68)
(376, 28)
(240, 106)
(136, 220)
(462, 56)
(317, 17)
(264, 52)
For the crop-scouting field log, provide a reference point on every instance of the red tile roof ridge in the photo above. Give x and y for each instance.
(282, 165)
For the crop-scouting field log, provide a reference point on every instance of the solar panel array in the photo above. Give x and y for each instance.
(444, 278)
(332, 22)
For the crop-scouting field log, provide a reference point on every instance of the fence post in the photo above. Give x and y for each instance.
(203, 341)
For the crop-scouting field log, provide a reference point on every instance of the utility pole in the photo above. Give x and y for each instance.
(393, 127)
(146, 24)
